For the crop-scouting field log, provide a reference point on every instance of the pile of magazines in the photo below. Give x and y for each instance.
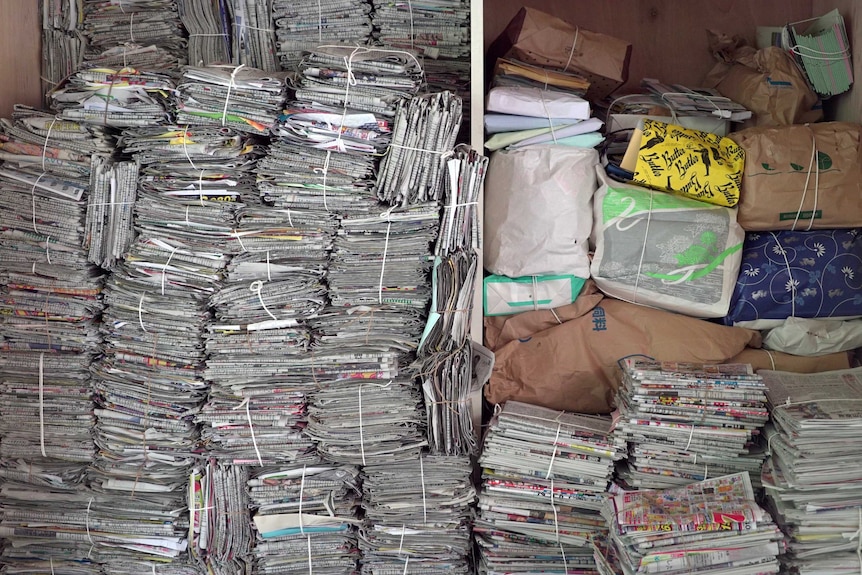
(544, 476)
(686, 422)
(712, 526)
(812, 477)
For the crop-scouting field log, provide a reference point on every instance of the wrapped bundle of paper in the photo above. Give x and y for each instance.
(417, 525)
(110, 211)
(423, 136)
(359, 78)
(305, 518)
(543, 482)
(436, 28)
(812, 475)
(145, 34)
(62, 43)
(712, 526)
(239, 97)
(114, 97)
(220, 530)
(253, 36)
(365, 423)
(301, 26)
(451, 76)
(209, 31)
(685, 422)
(447, 386)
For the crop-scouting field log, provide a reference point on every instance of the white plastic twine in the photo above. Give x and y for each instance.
(245, 403)
(165, 267)
(301, 492)
(535, 284)
(42, 403)
(256, 287)
(557, 529)
(141, 312)
(643, 249)
(554, 452)
(361, 432)
(400, 547)
(47, 137)
(548, 116)
(387, 214)
(319, 35)
(229, 88)
(186, 152)
(572, 51)
(790, 282)
(424, 500)
(815, 165)
(412, 34)
(308, 539)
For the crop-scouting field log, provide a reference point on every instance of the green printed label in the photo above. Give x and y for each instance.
(806, 215)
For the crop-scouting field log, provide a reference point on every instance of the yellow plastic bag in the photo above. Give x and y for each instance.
(687, 162)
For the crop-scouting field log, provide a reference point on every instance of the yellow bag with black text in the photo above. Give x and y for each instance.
(687, 162)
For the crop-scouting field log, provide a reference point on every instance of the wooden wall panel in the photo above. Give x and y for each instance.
(668, 36)
(20, 54)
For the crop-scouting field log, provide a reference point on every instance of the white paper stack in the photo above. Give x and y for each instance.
(687, 422)
(303, 25)
(543, 482)
(417, 516)
(812, 476)
(712, 526)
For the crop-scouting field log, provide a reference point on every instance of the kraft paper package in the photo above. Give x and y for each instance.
(664, 251)
(768, 82)
(813, 274)
(538, 211)
(699, 165)
(572, 365)
(542, 39)
(802, 177)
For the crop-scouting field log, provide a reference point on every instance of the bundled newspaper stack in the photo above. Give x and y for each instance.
(812, 476)
(686, 422)
(208, 25)
(417, 516)
(303, 25)
(62, 44)
(240, 97)
(220, 536)
(711, 526)
(117, 98)
(253, 38)
(433, 28)
(305, 518)
(544, 475)
(144, 34)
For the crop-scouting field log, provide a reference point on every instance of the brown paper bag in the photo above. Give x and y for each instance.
(573, 365)
(779, 163)
(768, 83)
(763, 359)
(539, 38)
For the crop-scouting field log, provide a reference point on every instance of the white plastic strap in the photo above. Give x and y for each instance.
(308, 539)
(255, 288)
(33, 200)
(229, 88)
(361, 432)
(245, 403)
(301, 492)
(201, 187)
(42, 403)
(400, 547)
(412, 34)
(554, 452)
(186, 151)
(325, 173)
(319, 22)
(268, 271)
(705, 471)
(131, 30)
(141, 312)
(771, 359)
(52, 565)
(165, 268)
(572, 51)
(289, 218)
(556, 317)
(87, 523)
(557, 529)
(238, 236)
(643, 248)
(690, 435)
(790, 281)
(187, 216)
(548, 116)
(383, 262)
(47, 137)
(424, 501)
(445, 153)
(813, 164)
(535, 282)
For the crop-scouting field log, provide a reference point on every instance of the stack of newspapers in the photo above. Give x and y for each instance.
(303, 25)
(208, 25)
(240, 97)
(144, 34)
(305, 518)
(712, 526)
(686, 422)
(417, 516)
(49, 304)
(433, 28)
(117, 98)
(812, 477)
(253, 38)
(544, 475)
